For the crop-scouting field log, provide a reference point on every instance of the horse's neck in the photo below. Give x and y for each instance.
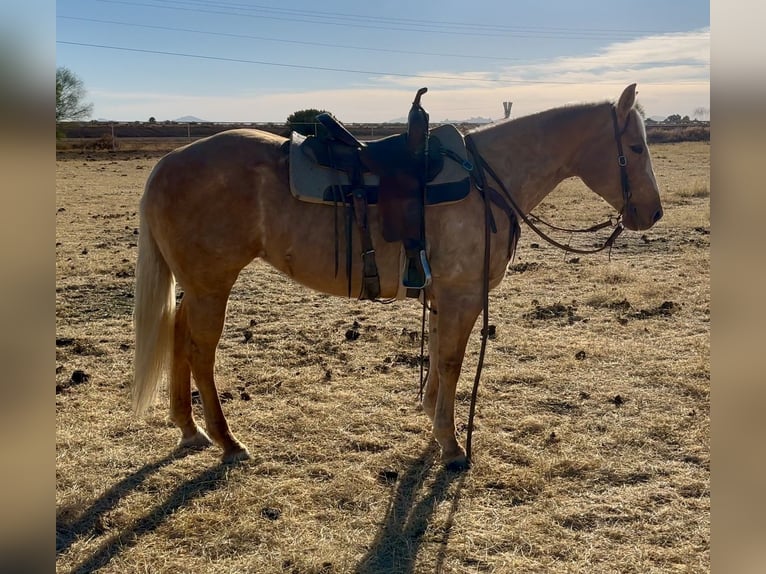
(533, 154)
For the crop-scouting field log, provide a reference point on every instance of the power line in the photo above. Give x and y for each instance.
(321, 44)
(279, 64)
(370, 22)
(407, 21)
(330, 69)
(285, 41)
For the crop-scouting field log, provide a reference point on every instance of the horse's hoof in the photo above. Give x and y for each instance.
(237, 454)
(197, 441)
(459, 464)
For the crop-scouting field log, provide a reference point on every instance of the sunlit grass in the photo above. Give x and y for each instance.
(591, 447)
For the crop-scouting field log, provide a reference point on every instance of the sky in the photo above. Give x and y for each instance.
(260, 61)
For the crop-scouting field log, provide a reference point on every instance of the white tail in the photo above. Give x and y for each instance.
(153, 319)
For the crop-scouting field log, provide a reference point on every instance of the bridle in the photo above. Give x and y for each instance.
(622, 162)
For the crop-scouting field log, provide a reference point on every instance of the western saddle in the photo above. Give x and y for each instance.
(404, 164)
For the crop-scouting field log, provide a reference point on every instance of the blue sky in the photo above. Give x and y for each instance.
(259, 61)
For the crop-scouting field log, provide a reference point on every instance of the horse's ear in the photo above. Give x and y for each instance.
(626, 101)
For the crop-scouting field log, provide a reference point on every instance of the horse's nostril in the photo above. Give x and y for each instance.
(657, 215)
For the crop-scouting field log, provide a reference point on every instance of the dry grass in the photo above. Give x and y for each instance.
(593, 430)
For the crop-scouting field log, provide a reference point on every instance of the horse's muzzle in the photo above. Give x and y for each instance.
(635, 222)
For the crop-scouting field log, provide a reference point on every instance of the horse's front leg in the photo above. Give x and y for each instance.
(454, 321)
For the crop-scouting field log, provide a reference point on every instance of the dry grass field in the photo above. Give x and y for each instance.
(592, 439)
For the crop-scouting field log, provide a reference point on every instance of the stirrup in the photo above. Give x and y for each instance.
(422, 280)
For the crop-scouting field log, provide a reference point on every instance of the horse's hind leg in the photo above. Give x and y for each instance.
(180, 385)
(205, 319)
(432, 378)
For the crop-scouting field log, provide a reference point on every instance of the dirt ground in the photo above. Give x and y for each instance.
(592, 439)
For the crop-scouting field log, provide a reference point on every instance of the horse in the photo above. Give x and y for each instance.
(211, 207)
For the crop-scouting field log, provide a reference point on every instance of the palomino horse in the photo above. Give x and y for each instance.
(212, 206)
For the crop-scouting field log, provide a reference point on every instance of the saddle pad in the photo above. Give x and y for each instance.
(316, 183)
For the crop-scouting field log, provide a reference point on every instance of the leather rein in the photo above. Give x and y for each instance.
(507, 203)
(622, 162)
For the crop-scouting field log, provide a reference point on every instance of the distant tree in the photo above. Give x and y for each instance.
(152, 120)
(673, 119)
(70, 96)
(303, 121)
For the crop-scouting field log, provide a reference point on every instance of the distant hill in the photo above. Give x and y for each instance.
(476, 120)
(188, 119)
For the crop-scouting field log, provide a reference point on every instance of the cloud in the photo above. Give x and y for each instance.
(659, 58)
(438, 79)
(672, 71)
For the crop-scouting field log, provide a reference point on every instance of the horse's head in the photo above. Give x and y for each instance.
(619, 166)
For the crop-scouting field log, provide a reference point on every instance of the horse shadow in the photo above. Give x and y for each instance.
(396, 546)
(89, 522)
(394, 550)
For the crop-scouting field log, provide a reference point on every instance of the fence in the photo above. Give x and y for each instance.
(109, 135)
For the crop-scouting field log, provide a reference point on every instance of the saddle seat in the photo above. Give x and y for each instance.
(316, 178)
(383, 157)
(338, 131)
(402, 164)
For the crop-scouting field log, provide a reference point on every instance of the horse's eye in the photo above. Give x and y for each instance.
(638, 149)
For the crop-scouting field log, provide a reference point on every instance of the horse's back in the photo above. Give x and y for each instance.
(223, 159)
(202, 202)
(225, 148)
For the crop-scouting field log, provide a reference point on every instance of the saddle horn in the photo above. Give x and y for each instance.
(421, 91)
(417, 124)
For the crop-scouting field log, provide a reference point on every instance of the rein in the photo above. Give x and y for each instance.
(484, 166)
(591, 229)
(488, 227)
(528, 219)
(487, 194)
